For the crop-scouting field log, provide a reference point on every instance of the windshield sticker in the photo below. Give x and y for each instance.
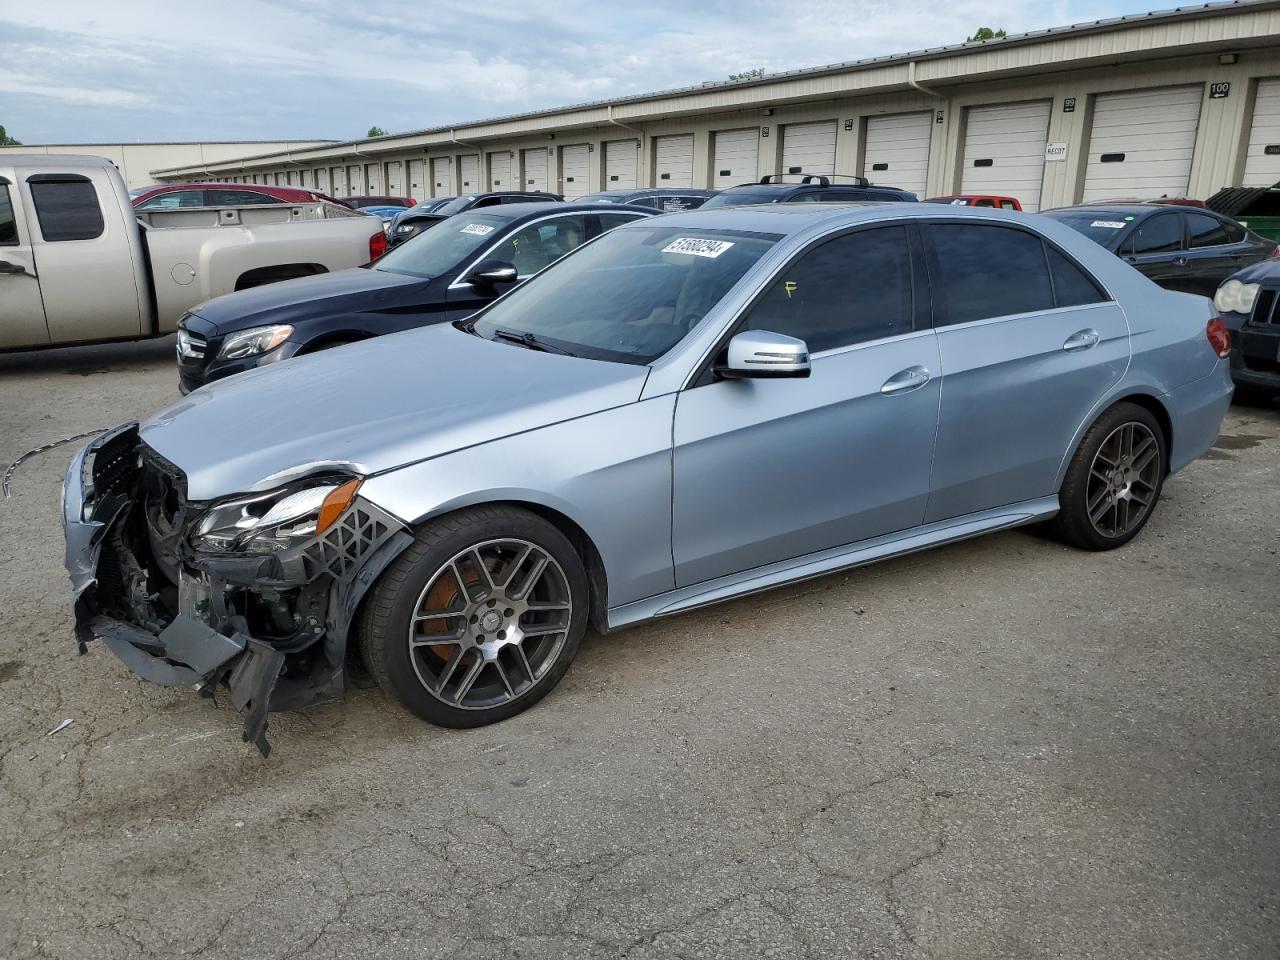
(697, 247)
(478, 229)
(1109, 224)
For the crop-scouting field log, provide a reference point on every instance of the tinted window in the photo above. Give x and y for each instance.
(806, 198)
(541, 244)
(519, 198)
(1235, 232)
(442, 248)
(1071, 285)
(1162, 234)
(988, 271)
(848, 290)
(173, 200)
(239, 198)
(984, 203)
(734, 197)
(67, 210)
(610, 220)
(8, 228)
(1206, 231)
(1007, 205)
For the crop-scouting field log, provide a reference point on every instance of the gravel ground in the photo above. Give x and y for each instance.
(1003, 748)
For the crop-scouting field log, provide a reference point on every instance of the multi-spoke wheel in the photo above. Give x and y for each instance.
(479, 618)
(1114, 479)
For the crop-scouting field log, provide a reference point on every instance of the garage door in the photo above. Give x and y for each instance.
(897, 150)
(500, 171)
(395, 178)
(809, 147)
(469, 167)
(354, 187)
(417, 180)
(322, 181)
(442, 177)
(1004, 151)
(338, 178)
(1262, 168)
(534, 164)
(735, 157)
(372, 180)
(575, 171)
(673, 161)
(620, 164)
(1141, 144)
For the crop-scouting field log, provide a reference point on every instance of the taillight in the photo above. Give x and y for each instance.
(377, 245)
(1219, 337)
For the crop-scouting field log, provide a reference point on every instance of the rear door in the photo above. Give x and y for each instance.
(1211, 256)
(22, 317)
(1029, 344)
(1157, 248)
(84, 252)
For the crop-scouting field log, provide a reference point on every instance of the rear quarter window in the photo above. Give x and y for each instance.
(8, 226)
(67, 210)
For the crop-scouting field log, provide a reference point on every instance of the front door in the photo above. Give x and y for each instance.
(1029, 344)
(22, 317)
(768, 470)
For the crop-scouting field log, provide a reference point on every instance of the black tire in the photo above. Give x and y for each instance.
(1073, 524)
(1251, 396)
(387, 614)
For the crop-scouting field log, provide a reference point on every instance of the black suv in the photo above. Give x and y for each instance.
(414, 220)
(812, 188)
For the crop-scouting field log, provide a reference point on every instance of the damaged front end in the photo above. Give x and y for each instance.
(255, 591)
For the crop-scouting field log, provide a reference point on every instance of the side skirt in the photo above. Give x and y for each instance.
(834, 559)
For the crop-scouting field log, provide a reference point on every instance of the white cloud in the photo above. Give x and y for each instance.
(304, 68)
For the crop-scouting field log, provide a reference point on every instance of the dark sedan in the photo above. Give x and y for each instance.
(1249, 303)
(413, 222)
(1181, 248)
(446, 274)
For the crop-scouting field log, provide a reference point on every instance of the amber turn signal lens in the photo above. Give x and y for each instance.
(335, 503)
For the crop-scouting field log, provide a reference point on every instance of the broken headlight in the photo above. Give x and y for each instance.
(275, 521)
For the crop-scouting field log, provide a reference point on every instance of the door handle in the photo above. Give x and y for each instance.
(7, 267)
(1082, 340)
(904, 381)
(1180, 261)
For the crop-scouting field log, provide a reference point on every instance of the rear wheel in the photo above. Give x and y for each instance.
(1114, 480)
(479, 619)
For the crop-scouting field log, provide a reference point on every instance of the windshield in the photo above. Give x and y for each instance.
(1104, 227)
(436, 251)
(630, 296)
(735, 197)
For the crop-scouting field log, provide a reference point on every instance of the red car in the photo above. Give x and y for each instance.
(169, 196)
(978, 200)
(359, 203)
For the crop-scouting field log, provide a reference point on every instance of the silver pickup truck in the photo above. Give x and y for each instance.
(77, 266)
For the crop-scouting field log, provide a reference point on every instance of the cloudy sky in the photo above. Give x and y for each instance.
(88, 71)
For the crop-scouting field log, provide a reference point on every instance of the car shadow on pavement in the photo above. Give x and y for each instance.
(89, 360)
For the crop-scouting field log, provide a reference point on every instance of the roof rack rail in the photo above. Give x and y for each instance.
(823, 180)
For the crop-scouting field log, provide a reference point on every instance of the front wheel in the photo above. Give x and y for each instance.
(478, 619)
(1114, 480)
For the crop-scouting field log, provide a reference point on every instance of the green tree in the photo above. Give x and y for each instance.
(986, 33)
(376, 132)
(753, 74)
(6, 140)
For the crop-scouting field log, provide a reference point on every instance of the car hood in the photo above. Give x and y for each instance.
(373, 406)
(355, 289)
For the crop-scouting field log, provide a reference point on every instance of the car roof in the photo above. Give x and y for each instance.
(1134, 209)
(651, 191)
(517, 211)
(789, 186)
(270, 190)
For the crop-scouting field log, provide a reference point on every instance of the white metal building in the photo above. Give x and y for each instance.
(1179, 103)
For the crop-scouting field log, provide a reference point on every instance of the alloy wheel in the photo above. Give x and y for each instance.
(490, 623)
(1123, 479)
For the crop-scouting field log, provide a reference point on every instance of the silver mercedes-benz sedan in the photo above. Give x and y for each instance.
(685, 410)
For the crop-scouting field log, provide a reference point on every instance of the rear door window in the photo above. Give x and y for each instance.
(67, 209)
(982, 271)
(1072, 287)
(848, 290)
(8, 225)
(1206, 231)
(1162, 234)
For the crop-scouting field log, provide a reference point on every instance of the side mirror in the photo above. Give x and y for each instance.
(761, 353)
(487, 273)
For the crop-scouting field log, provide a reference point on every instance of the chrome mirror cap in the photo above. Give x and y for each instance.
(762, 353)
(489, 272)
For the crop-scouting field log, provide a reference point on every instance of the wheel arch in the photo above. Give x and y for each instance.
(1149, 400)
(261, 276)
(332, 337)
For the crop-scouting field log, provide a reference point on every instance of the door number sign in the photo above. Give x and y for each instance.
(1219, 90)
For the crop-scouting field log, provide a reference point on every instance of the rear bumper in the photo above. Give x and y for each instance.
(1198, 410)
(191, 632)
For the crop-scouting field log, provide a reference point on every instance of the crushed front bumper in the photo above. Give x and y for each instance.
(181, 619)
